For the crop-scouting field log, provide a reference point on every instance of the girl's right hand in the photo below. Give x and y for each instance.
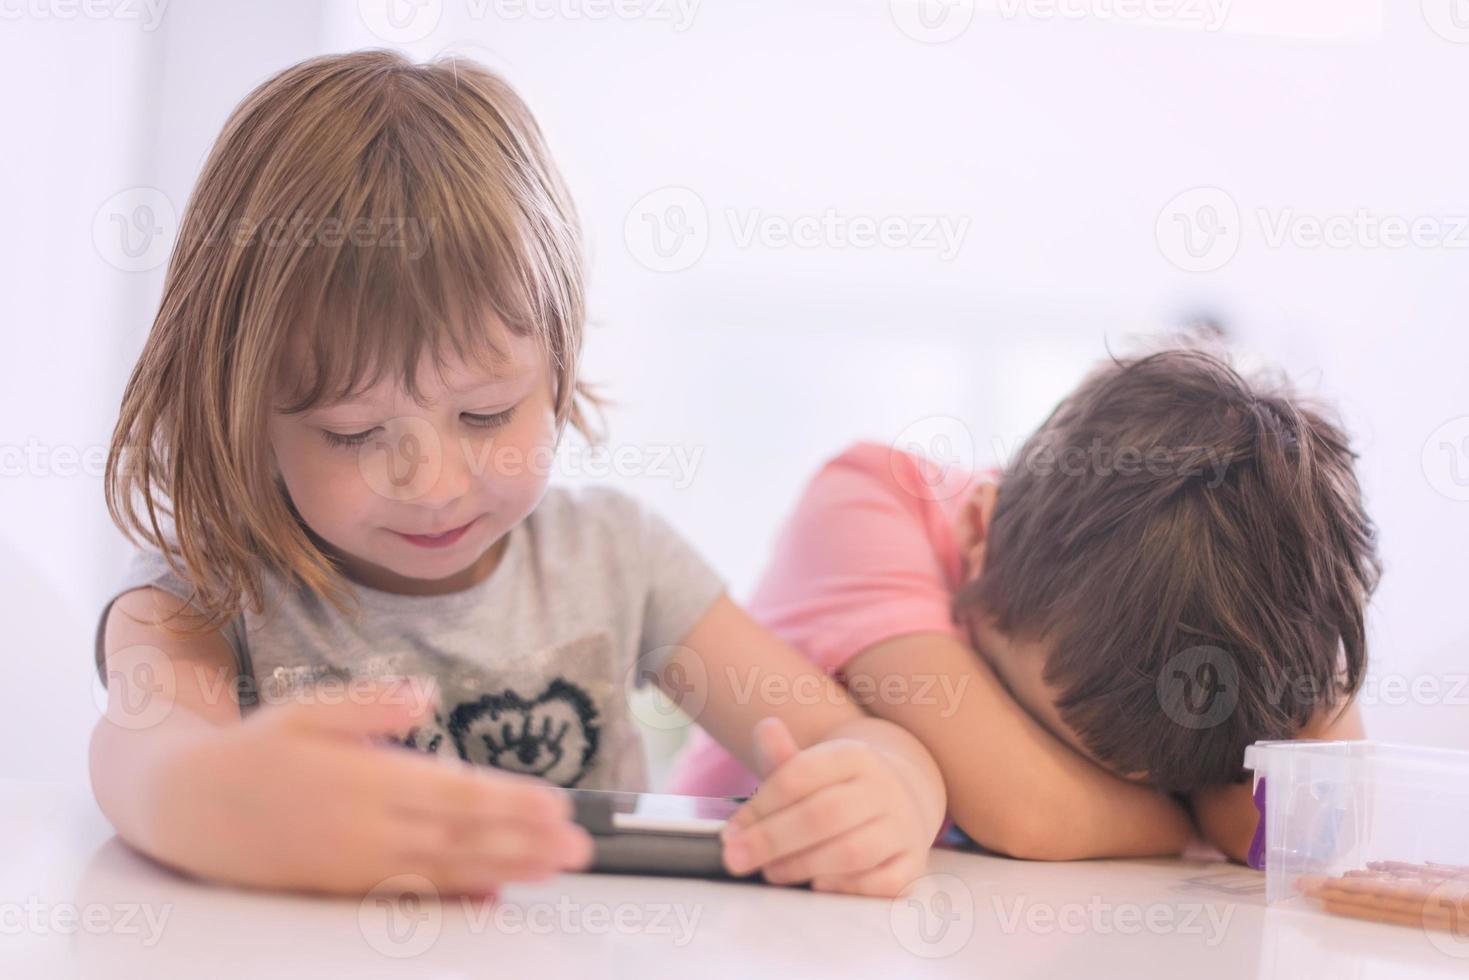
(297, 797)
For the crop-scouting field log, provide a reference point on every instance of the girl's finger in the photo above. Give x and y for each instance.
(852, 852)
(429, 787)
(457, 840)
(774, 746)
(472, 872)
(829, 811)
(819, 766)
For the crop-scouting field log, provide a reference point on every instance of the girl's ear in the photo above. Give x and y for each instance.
(974, 526)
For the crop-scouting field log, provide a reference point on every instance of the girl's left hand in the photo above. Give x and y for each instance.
(839, 815)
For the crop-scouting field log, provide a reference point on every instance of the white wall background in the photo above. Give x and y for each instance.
(1056, 134)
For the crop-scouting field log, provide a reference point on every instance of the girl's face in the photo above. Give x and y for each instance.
(418, 499)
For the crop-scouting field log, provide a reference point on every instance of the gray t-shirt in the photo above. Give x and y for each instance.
(534, 663)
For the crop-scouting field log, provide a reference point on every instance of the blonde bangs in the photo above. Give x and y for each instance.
(358, 316)
(438, 224)
(358, 214)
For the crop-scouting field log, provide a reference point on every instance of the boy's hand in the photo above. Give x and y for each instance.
(838, 815)
(1226, 814)
(297, 797)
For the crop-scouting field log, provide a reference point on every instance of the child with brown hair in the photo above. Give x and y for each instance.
(1176, 564)
(336, 445)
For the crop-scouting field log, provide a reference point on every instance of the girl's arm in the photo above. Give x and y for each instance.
(164, 694)
(1013, 786)
(298, 797)
(850, 802)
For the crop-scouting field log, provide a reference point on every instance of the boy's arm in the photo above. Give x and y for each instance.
(849, 802)
(1226, 814)
(1012, 786)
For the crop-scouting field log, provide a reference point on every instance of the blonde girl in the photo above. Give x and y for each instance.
(333, 451)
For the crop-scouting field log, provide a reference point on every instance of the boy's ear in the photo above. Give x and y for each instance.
(974, 526)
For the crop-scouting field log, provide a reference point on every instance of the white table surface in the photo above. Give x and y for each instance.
(77, 902)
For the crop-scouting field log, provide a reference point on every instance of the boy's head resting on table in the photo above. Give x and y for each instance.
(1173, 566)
(413, 382)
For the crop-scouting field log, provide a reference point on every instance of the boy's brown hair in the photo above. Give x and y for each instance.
(358, 213)
(1193, 549)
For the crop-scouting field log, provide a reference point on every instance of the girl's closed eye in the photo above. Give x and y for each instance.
(347, 439)
(474, 419)
(490, 421)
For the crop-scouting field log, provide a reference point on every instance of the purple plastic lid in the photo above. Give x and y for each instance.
(1256, 858)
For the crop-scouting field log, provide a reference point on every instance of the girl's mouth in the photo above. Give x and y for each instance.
(443, 540)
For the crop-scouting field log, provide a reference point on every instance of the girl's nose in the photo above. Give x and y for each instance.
(453, 478)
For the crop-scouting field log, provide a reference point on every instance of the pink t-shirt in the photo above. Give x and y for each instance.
(871, 552)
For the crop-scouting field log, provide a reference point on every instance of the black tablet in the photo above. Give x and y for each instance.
(655, 834)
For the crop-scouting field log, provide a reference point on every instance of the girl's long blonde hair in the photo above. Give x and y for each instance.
(356, 209)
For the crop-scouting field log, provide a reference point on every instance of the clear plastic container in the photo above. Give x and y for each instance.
(1337, 808)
